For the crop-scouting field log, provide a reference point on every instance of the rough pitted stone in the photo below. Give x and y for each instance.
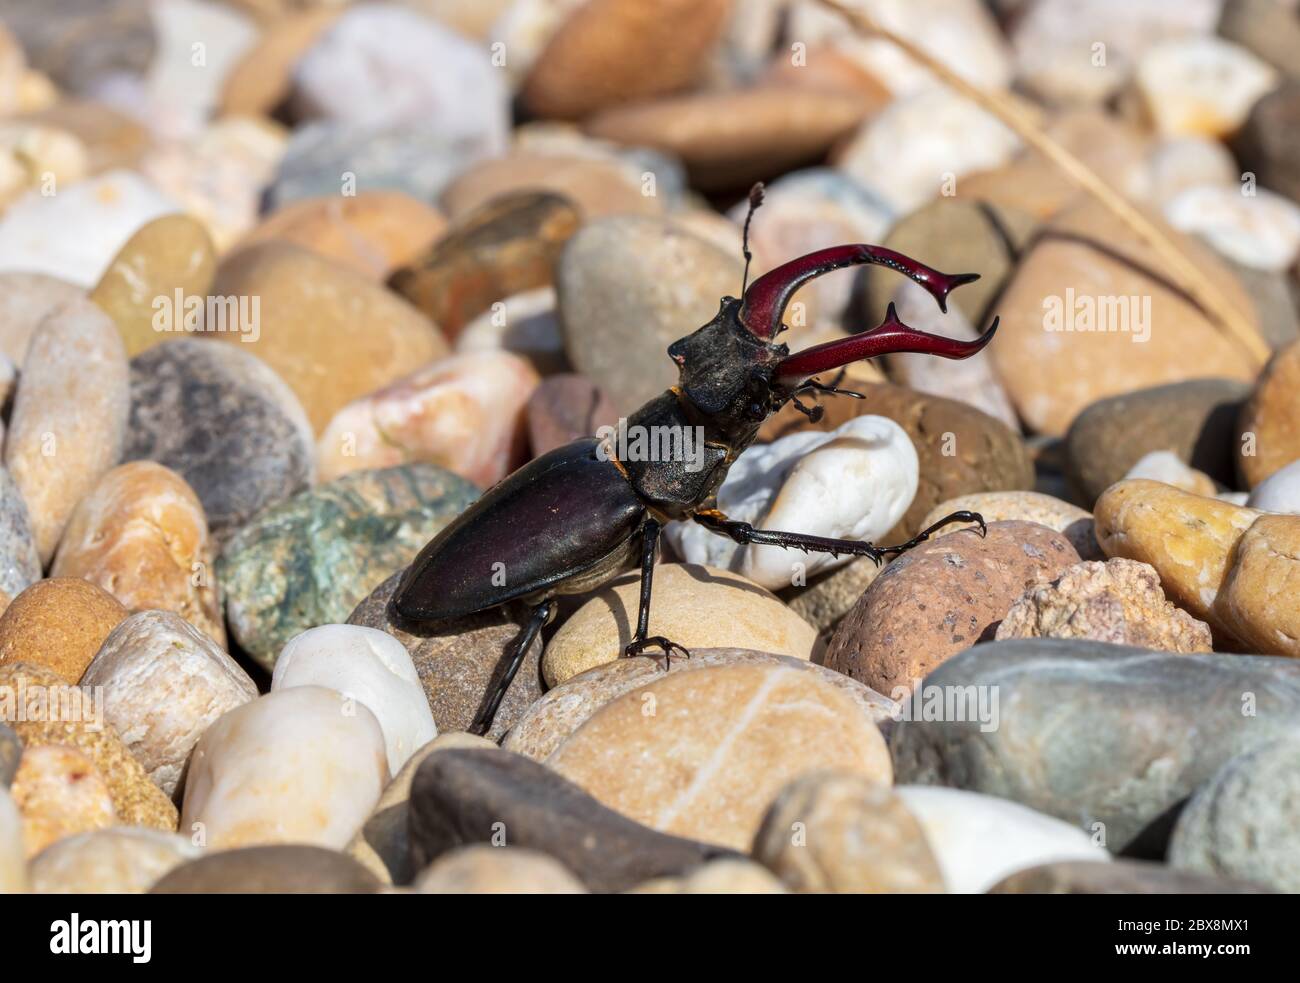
(1098, 733)
(284, 869)
(310, 560)
(59, 624)
(222, 419)
(60, 793)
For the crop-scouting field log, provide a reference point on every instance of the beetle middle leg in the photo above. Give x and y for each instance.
(744, 533)
(640, 642)
(514, 658)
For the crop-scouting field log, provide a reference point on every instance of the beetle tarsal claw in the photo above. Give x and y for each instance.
(666, 647)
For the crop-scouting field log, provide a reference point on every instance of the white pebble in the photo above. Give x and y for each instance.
(13, 857)
(1261, 230)
(1202, 85)
(1279, 492)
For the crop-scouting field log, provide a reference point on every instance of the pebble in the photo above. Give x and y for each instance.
(915, 146)
(69, 417)
(611, 52)
(1202, 86)
(33, 156)
(628, 288)
(506, 246)
(287, 868)
(526, 324)
(164, 683)
(373, 233)
(1270, 433)
(112, 138)
(1261, 231)
(1168, 468)
(838, 833)
(695, 606)
(457, 660)
(59, 793)
(25, 301)
(1242, 822)
(20, 566)
(827, 598)
(1119, 877)
(78, 724)
(59, 624)
(1108, 737)
(960, 449)
(726, 876)
(222, 419)
(141, 534)
(74, 235)
(79, 44)
(855, 482)
(308, 322)
(168, 255)
(11, 750)
(768, 130)
(486, 869)
(715, 725)
(13, 854)
(1178, 164)
(1119, 601)
(298, 765)
(940, 599)
(464, 413)
(980, 839)
(1266, 145)
(259, 82)
(555, 716)
(1072, 522)
(369, 667)
(1196, 420)
(119, 860)
(1254, 599)
(1053, 356)
(1270, 290)
(310, 560)
(1279, 492)
(463, 797)
(1266, 28)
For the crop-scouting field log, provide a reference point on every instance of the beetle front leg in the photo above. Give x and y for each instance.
(745, 534)
(640, 643)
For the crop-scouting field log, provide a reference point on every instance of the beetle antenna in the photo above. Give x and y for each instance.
(755, 199)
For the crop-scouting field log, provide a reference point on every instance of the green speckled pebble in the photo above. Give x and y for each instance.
(311, 559)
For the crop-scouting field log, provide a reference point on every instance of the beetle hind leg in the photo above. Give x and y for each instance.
(509, 667)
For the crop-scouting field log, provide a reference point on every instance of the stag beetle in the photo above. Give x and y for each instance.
(575, 517)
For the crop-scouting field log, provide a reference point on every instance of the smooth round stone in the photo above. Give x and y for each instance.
(141, 532)
(1071, 521)
(81, 43)
(1242, 823)
(457, 660)
(1168, 468)
(1203, 85)
(960, 449)
(769, 130)
(1118, 877)
(59, 624)
(979, 839)
(628, 288)
(168, 255)
(11, 749)
(20, 566)
(939, 599)
(695, 606)
(1261, 231)
(496, 870)
(907, 152)
(1195, 419)
(388, 62)
(75, 234)
(1255, 599)
(373, 233)
(13, 855)
(735, 734)
(855, 482)
(526, 324)
(163, 684)
(1053, 356)
(1279, 492)
(725, 876)
(112, 138)
(290, 868)
(59, 793)
(838, 833)
(1269, 423)
(222, 419)
(367, 666)
(311, 559)
(259, 82)
(120, 860)
(307, 328)
(78, 724)
(609, 52)
(301, 765)
(510, 244)
(1267, 145)
(464, 413)
(1270, 290)
(564, 408)
(25, 301)
(554, 716)
(1119, 601)
(69, 417)
(33, 155)
(1178, 164)
(1266, 28)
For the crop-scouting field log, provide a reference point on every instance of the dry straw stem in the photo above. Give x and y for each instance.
(1208, 297)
